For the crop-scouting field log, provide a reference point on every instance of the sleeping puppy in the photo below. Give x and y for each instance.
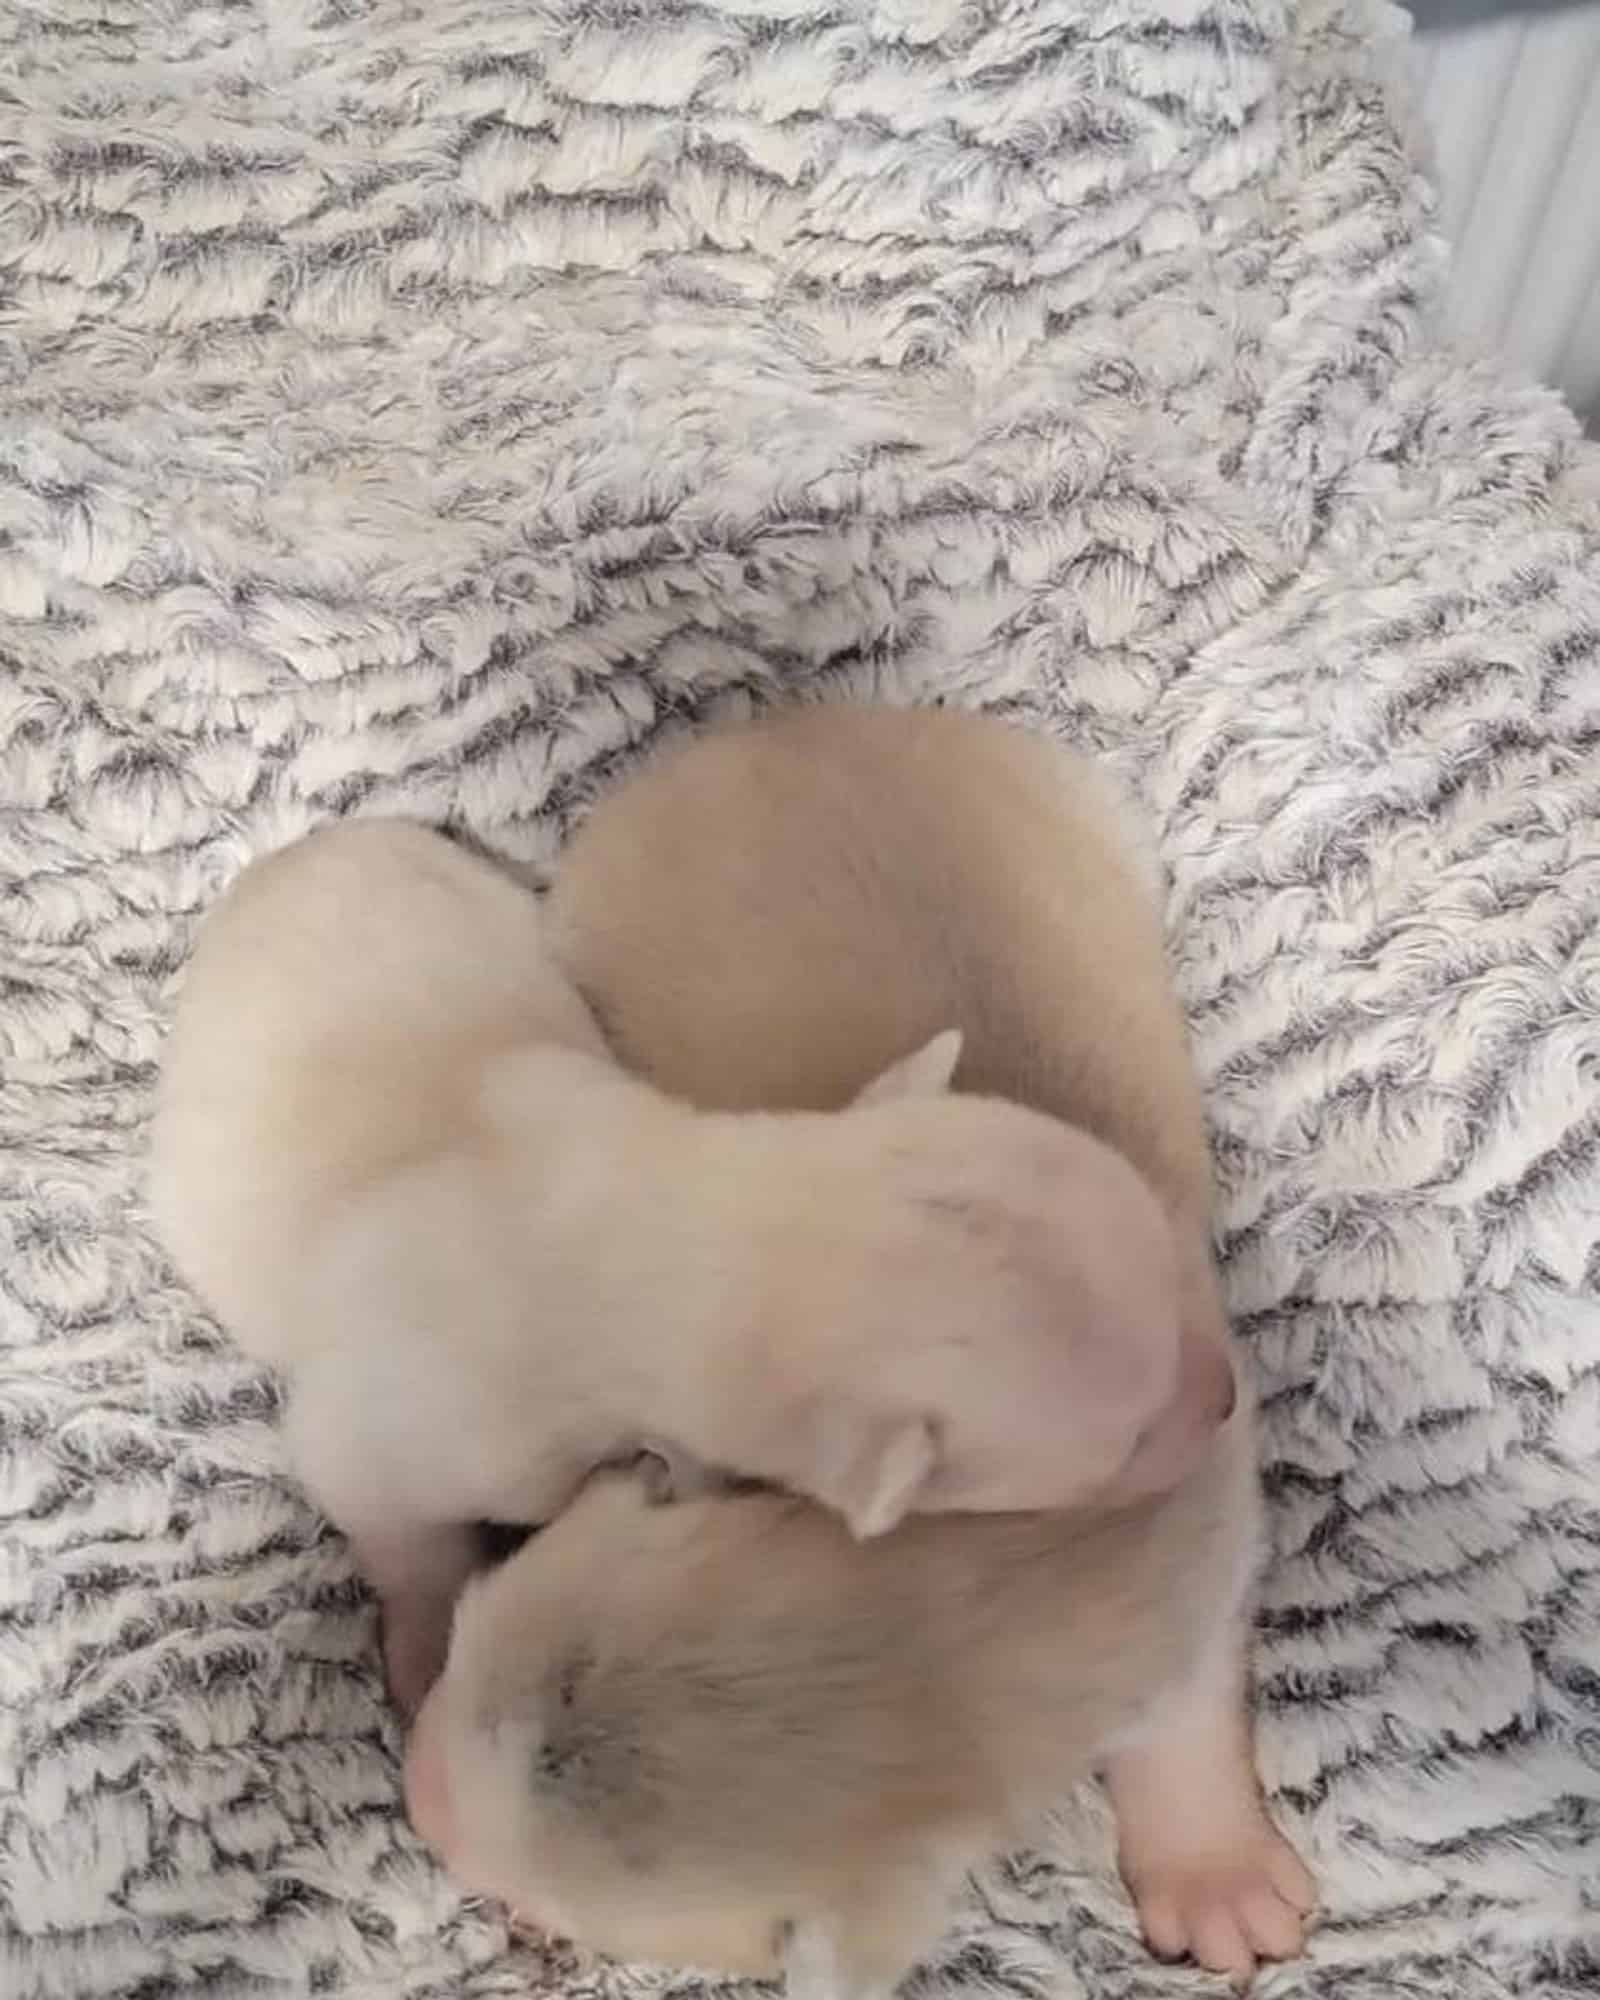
(394, 1154)
(721, 1733)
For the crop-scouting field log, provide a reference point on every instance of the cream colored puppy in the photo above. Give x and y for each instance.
(393, 1153)
(720, 1732)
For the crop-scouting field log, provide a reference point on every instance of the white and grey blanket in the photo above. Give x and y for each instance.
(409, 406)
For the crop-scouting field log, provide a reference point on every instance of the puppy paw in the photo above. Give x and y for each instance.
(1226, 1898)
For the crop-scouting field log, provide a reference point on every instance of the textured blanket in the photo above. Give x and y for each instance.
(410, 406)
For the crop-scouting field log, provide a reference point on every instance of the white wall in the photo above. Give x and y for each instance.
(1515, 109)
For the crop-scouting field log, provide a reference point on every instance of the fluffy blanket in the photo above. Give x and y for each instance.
(411, 406)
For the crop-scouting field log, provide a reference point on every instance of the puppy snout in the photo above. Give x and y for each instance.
(1219, 1395)
(1206, 1396)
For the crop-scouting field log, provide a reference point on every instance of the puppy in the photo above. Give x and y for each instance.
(721, 1733)
(393, 1152)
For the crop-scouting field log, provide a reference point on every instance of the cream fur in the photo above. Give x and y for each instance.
(394, 1155)
(672, 1732)
(693, 1732)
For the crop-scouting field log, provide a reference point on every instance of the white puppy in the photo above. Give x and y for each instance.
(393, 1153)
(721, 1733)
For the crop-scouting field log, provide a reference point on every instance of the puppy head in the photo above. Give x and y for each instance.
(635, 1745)
(537, 1769)
(1002, 1314)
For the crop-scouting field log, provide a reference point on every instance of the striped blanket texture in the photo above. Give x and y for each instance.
(412, 406)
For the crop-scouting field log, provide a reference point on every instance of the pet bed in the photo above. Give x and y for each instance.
(415, 409)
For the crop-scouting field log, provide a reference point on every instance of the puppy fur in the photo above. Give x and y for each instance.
(393, 1152)
(721, 1732)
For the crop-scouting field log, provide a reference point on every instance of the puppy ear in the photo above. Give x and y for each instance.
(871, 1468)
(926, 1072)
(672, 1474)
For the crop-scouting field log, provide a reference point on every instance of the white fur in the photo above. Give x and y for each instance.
(392, 1152)
(699, 1737)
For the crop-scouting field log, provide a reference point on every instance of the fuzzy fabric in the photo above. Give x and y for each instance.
(409, 406)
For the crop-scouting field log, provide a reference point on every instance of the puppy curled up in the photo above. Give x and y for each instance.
(393, 1152)
(723, 1733)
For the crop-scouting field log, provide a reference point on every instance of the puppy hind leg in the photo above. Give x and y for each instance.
(1211, 1876)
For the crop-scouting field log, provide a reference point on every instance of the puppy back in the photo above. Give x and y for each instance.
(337, 1000)
(770, 915)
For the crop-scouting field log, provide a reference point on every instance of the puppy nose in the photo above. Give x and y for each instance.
(1203, 1401)
(1221, 1394)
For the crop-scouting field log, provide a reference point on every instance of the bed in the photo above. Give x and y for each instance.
(418, 410)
